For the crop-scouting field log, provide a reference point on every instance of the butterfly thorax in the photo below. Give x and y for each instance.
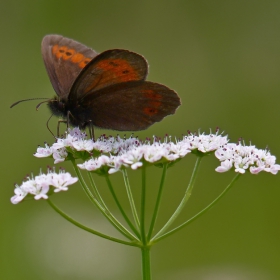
(71, 111)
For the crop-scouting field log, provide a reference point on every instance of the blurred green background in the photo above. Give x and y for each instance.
(223, 59)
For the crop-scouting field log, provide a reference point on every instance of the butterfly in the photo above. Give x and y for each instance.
(106, 90)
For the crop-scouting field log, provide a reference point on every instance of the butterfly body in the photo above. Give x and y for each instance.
(106, 90)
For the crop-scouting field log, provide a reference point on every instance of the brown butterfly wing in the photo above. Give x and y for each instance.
(109, 68)
(64, 59)
(129, 106)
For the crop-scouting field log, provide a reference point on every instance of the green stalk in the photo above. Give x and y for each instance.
(146, 263)
(159, 196)
(143, 206)
(130, 198)
(120, 206)
(95, 190)
(199, 213)
(104, 211)
(71, 220)
(183, 201)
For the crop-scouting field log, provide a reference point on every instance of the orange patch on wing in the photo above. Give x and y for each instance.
(65, 53)
(118, 69)
(68, 53)
(59, 51)
(55, 49)
(154, 102)
(84, 62)
(151, 94)
(150, 111)
(77, 57)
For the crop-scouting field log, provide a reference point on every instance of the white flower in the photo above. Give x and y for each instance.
(59, 155)
(180, 148)
(61, 143)
(20, 194)
(133, 158)
(94, 164)
(61, 181)
(76, 133)
(256, 169)
(44, 152)
(40, 185)
(205, 143)
(154, 152)
(37, 186)
(103, 145)
(241, 164)
(83, 145)
(225, 166)
(116, 163)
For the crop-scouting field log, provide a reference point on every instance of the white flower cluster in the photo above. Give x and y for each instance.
(154, 152)
(75, 141)
(39, 185)
(115, 153)
(245, 157)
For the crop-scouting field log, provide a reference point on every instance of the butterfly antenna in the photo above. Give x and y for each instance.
(16, 103)
(49, 127)
(37, 107)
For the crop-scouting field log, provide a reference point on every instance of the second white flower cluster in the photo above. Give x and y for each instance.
(39, 186)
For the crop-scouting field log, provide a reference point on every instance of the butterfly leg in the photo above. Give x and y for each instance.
(58, 125)
(67, 121)
(47, 124)
(91, 130)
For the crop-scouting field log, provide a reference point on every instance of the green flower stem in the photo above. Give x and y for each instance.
(99, 196)
(130, 198)
(146, 263)
(158, 201)
(61, 213)
(143, 206)
(199, 213)
(119, 206)
(84, 185)
(96, 193)
(183, 201)
(105, 212)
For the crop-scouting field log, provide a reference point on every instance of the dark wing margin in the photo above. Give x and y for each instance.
(130, 106)
(109, 68)
(64, 59)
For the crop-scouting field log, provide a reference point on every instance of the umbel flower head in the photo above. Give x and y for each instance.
(39, 185)
(112, 154)
(108, 155)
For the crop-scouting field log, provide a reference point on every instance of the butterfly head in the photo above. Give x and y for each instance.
(58, 106)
